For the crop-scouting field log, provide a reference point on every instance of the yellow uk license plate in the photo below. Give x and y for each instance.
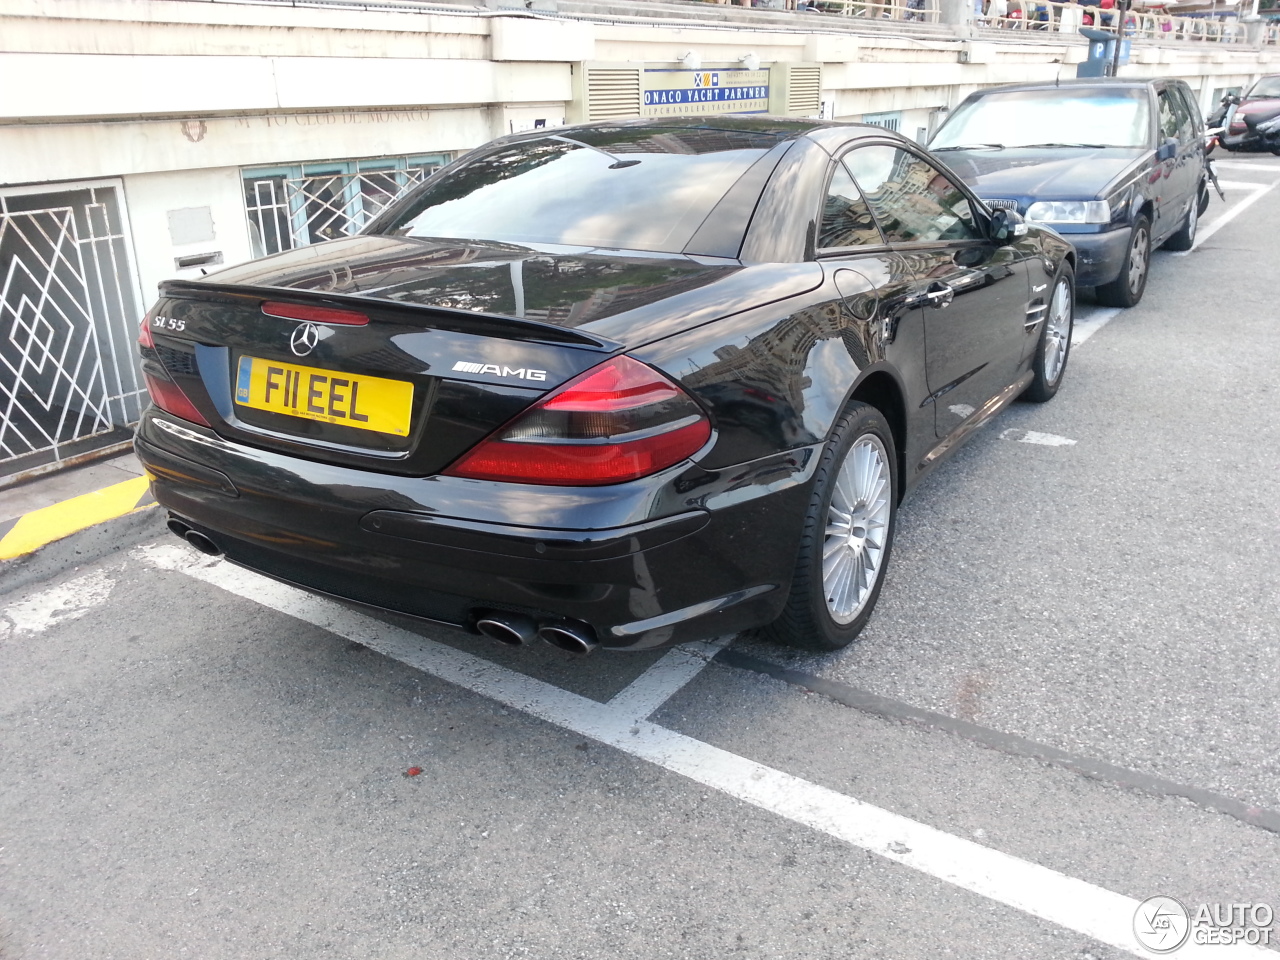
(331, 396)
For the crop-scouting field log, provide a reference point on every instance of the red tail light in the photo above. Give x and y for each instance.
(302, 311)
(618, 421)
(165, 394)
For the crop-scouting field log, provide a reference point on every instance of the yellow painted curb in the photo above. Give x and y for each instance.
(47, 524)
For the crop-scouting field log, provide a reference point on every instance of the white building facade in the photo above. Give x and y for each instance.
(147, 139)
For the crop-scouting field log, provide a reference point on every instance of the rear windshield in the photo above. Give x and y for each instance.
(635, 189)
(1062, 116)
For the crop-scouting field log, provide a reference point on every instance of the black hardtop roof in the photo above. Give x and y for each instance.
(781, 128)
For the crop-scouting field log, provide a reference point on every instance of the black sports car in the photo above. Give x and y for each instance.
(620, 384)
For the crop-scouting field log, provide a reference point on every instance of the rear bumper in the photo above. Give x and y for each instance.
(1099, 256)
(644, 564)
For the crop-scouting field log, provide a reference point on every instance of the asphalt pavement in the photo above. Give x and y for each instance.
(1065, 703)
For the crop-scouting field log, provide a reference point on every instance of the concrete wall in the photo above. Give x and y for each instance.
(153, 196)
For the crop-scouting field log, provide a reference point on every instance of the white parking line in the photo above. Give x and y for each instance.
(1247, 165)
(1230, 214)
(1032, 436)
(1029, 887)
(659, 683)
(66, 601)
(1241, 185)
(1095, 321)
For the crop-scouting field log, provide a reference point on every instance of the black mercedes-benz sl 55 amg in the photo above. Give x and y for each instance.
(621, 384)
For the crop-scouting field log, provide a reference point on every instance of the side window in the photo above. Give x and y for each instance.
(846, 221)
(1169, 120)
(911, 199)
(1193, 110)
(1185, 129)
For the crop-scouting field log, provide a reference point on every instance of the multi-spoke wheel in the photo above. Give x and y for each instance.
(857, 524)
(1185, 238)
(847, 536)
(1055, 339)
(1127, 289)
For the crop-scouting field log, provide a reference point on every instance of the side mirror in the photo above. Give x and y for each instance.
(1006, 225)
(1167, 150)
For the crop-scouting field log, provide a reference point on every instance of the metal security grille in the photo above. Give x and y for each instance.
(69, 380)
(890, 121)
(308, 203)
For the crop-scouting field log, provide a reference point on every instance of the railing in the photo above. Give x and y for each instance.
(924, 11)
(1138, 24)
(1042, 15)
(920, 11)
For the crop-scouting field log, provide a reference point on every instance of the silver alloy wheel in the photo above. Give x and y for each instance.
(857, 529)
(1138, 252)
(1057, 334)
(1193, 221)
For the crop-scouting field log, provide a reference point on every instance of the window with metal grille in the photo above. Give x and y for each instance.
(890, 121)
(300, 204)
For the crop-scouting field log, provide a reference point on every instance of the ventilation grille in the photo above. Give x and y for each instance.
(612, 93)
(1002, 204)
(803, 91)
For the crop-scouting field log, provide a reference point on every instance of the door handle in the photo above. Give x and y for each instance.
(939, 295)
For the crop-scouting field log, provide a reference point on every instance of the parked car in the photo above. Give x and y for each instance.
(620, 384)
(1240, 116)
(1116, 166)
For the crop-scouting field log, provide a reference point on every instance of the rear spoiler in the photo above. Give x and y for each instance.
(446, 318)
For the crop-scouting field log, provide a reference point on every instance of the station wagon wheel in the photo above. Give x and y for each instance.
(1127, 289)
(1185, 238)
(1054, 345)
(847, 535)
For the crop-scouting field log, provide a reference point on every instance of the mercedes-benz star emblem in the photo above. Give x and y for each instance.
(304, 339)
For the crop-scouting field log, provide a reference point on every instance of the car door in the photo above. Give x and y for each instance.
(875, 286)
(1193, 137)
(1178, 172)
(971, 293)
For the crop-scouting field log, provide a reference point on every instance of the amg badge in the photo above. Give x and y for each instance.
(466, 366)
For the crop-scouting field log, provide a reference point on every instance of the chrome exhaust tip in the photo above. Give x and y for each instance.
(574, 637)
(177, 527)
(202, 543)
(513, 629)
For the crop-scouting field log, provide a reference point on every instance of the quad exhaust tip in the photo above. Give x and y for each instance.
(194, 537)
(516, 629)
(510, 628)
(567, 635)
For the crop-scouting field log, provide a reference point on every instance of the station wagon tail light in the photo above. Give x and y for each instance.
(619, 421)
(1070, 211)
(165, 394)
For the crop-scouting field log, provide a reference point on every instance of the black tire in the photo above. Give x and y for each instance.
(1127, 289)
(1204, 199)
(1185, 238)
(807, 620)
(1047, 379)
